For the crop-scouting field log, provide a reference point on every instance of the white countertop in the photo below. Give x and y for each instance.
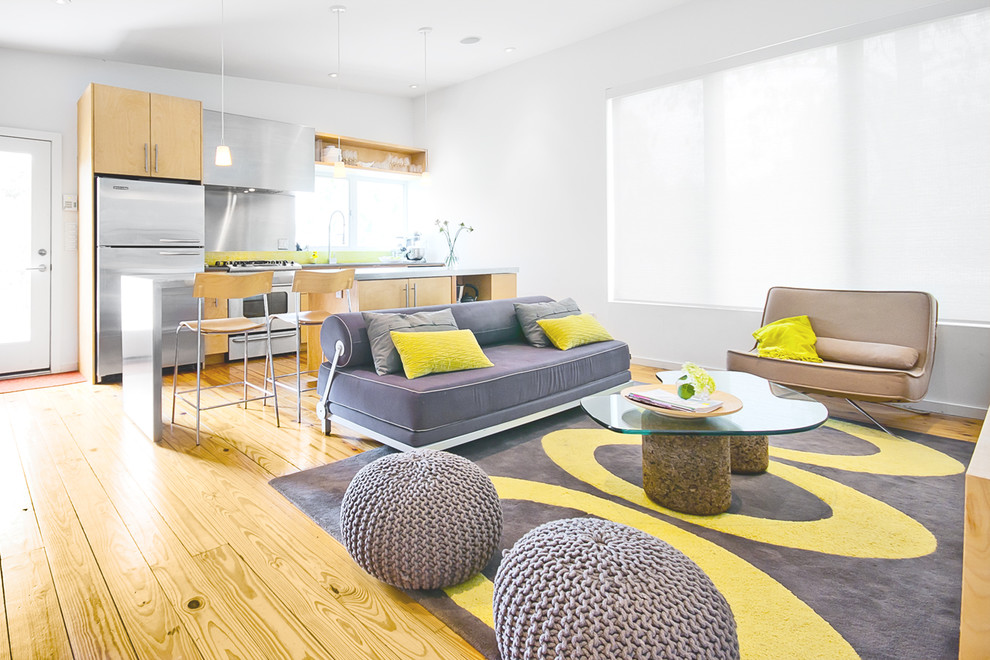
(423, 271)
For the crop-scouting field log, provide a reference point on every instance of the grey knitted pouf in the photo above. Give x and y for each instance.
(589, 588)
(421, 520)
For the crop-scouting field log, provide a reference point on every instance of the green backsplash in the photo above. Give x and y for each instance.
(303, 257)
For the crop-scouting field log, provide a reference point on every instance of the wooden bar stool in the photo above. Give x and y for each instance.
(313, 282)
(224, 286)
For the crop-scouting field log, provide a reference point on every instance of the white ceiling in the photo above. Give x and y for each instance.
(295, 41)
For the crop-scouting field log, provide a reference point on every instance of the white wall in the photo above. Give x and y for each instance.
(40, 93)
(520, 155)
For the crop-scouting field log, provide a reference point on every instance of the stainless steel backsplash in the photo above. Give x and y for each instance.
(257, 221)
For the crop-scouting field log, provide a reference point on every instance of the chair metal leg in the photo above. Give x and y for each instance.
(870, 417)
(245, 369)
(175, 371)
(298, 373)
(271, 358)
(199, 372)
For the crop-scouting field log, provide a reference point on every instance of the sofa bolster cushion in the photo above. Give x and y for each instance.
(869, 354)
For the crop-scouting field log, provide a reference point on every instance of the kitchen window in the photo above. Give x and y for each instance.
(367, 210)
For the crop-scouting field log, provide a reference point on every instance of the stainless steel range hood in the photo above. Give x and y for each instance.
(267, 155)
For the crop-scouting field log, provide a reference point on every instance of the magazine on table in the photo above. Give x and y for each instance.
(669, 400)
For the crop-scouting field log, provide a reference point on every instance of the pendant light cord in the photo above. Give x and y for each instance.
(222, 71)
(426, 98)
(338, 9)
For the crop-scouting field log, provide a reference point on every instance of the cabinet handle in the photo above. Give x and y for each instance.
(415, 296)
(156, 159)
(147, 165)
(406, 290)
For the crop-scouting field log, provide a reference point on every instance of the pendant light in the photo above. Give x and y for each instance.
(338, 167)
(222, 158)
(425, 178)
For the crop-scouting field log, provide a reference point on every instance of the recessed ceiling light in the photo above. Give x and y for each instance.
(63, 2)
(413, 86)
(332, 75)
(470, 40)
(510, 49)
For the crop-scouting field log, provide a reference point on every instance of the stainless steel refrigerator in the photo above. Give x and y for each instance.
(145, 228)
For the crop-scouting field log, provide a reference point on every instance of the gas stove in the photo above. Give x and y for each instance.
(258, 264)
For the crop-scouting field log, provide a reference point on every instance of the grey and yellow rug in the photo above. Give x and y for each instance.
(849, 546)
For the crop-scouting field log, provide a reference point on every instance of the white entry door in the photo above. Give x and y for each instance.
(25, 270)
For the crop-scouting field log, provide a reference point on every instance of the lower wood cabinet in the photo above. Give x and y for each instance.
(412, 292)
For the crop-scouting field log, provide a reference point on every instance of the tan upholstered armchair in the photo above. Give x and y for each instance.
(870, 326)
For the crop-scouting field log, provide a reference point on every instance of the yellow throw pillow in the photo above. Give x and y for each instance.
(425, 353)
(576, 330)
(788, 339)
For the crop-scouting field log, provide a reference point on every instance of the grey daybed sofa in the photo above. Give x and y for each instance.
(443, 410)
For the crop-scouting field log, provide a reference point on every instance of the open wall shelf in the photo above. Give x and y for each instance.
(369, 155)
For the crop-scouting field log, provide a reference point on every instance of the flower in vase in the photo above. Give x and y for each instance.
(451, 234)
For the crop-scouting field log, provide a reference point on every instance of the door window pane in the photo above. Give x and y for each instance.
(15, 210)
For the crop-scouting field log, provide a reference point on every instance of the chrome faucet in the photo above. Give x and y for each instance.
(330, 231)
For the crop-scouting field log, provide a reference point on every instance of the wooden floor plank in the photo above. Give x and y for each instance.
(93, 428)
(4, 638)
(18, 526)
(152, 623)
(91, 619)
(216, 627)
(269, 622)
(34, 618)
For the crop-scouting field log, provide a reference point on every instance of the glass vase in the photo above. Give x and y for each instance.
(451, 259)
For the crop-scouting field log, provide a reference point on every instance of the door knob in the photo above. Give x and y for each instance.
(42, 268)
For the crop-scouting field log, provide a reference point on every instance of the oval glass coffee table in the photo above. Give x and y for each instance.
(687, 462)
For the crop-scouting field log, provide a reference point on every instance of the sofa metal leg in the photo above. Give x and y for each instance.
(870, 417)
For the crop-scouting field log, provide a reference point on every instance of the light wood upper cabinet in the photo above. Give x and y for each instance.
(141, 134)
(177, 136)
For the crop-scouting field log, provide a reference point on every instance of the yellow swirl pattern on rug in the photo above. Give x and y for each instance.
(771, 621)
(892, 534)
(896, 456)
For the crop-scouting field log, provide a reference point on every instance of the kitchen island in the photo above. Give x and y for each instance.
(141, 300)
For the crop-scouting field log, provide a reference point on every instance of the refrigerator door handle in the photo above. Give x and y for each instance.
(179, 253)
(189, 241)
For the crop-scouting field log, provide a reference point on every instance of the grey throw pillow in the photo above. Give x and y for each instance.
(379, 326)
(529, 313)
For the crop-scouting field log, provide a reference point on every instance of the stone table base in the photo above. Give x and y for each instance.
(688, 473)
(750, 454)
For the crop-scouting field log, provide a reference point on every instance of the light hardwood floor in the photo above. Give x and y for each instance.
(112, 546)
